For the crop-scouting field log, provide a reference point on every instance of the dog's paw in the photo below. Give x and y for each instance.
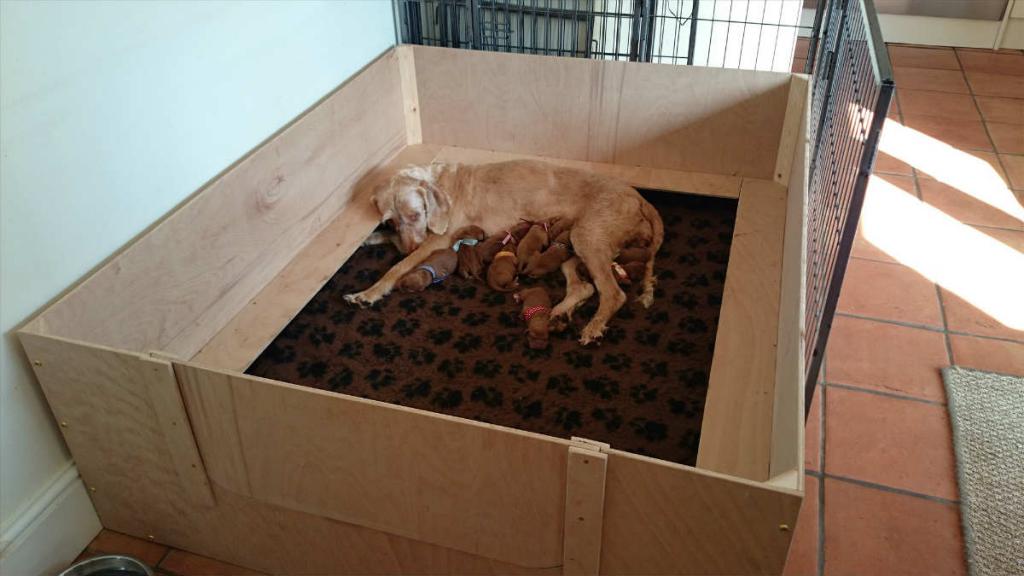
(646, 299)
(361, 299)
(591, 334)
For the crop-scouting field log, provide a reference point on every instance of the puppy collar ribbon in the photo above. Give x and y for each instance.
(464, 242)
(534, 310)
(509, 237)
(434, 278)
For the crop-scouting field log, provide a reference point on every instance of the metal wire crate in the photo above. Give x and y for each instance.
(750, 34)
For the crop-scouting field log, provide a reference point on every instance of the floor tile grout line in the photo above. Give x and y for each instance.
(945, 326)
(894, 322)
(928, 328)
(988, 134)
(891, 489)
(854, 388)
(821, 483)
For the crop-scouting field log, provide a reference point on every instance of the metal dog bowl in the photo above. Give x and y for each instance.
(112, 565)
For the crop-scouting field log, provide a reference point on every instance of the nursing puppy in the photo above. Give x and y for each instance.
(537, 315)
(557, 251)
(424, 203)
(532, 244)
(473, 260)
(501, 274)
(438, 266)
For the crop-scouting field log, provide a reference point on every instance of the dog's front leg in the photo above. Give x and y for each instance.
(383, 287)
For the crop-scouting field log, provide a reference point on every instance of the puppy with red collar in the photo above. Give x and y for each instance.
(537, 314)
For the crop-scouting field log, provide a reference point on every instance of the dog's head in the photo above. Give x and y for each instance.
(413, 204)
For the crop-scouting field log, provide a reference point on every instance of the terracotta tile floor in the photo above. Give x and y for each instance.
(881, 488)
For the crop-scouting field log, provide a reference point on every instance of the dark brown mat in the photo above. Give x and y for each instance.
(459, 347)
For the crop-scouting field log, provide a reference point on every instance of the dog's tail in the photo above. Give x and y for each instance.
(650, 214)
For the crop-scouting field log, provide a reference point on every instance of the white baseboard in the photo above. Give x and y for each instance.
(51, 531)
(934, 31)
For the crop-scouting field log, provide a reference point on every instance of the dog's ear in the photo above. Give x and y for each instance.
(438, 207)
(384, 200)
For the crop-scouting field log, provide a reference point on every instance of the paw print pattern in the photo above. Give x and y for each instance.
(617, 362)
(418, 388)
(371, 328)
(641, 393)
(568, 419)
(650, 430)
(421, 356)
(451, 367)
(405, 327)
(562, 384)
(528, 410)
(314, 369)
(609, 416)
(380, 378)
(487, 395)
(522, 374)
(460, 348)
(486, 368)
(340, 379)
(601, 386)
(387, 351)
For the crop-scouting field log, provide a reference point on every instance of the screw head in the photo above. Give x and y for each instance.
(37, 362)
(784, 527)
(63, 424)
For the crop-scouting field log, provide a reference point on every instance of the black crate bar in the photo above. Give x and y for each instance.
(851, 92)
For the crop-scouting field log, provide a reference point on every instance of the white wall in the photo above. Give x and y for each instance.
(110, 114)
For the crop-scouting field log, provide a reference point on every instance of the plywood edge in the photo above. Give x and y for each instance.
(701, 183)
(791, 136)
(736, 430)
(111, 261)
(584, 509)
(410, 95)
(249, 332)
(788, 418)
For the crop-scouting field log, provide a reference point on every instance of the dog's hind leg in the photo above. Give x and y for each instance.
(577, 291)
(646, 297)
(597, 255)
(383, 287)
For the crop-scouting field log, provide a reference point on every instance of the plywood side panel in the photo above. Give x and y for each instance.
(736, 430)
(663, 518)
(701, 119)
(485, 490)
(245, 337)
(123, 419)
(684, 118)
(636, 176)
(584, 510)
(788, 408)
(117, 434)
(176, 286)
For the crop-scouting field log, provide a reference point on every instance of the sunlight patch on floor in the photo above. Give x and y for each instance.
(972, 176)
(974, 266)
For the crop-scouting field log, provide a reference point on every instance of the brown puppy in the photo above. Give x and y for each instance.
(474, 259)
(537, 314)
(433, 270)
(557, 252)
(532, 244)
(501, 274)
